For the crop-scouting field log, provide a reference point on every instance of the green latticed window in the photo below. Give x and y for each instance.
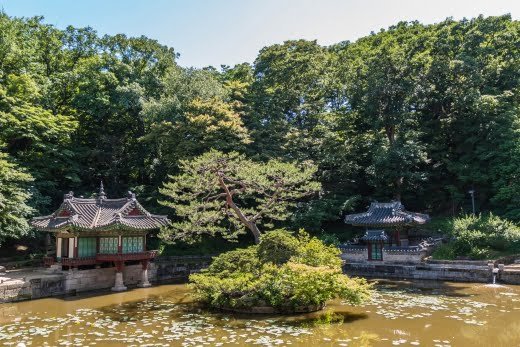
(86, 247)
(108, 245)
(132, 244)
(376, 251)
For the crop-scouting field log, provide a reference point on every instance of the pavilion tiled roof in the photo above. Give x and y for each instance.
(99, 214)
(387, 214)
(375, 235)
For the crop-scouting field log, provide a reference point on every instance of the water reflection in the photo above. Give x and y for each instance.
(400, 313)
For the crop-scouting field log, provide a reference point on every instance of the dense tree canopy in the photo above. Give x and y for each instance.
(423, 113)
(13, 200)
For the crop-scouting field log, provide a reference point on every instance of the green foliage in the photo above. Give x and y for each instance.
(313, 252)
(480, 237)
(330, 239)
(36, 137)
(239, 260)
(421, 112)
(206, 246)
(277, 246)
(445, 252)
(287, 96)
(207, 124)
(14, 196)
(245, 278)
(226, 194)
(437, 226)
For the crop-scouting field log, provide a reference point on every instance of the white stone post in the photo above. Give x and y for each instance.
(144, 277)
(119, 285)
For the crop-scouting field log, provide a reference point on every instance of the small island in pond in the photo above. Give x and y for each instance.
(282, 274)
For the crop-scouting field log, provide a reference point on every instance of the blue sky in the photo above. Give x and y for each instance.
(211, 32)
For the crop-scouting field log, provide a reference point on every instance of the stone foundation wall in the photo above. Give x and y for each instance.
(389, 256)
(77, 281)
(403, 257)
(32, 288)
(355, 256)
(425, 271)
(40, 283)
(510, 276)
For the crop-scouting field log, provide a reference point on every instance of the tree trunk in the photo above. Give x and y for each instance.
(229, 201)
(390, 133)
(255, 231)
(398, 188)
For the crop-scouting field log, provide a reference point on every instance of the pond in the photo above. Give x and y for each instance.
(401, 313)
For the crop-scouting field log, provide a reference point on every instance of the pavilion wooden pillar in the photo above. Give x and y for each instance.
(59, 241)
(71, 247)
(75, 247)
(119, 244)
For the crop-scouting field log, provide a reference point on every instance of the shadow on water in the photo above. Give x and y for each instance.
(425, 288)
(329, 317)
(74, 296)
(324, 317)
(185, 308)
(136, 309)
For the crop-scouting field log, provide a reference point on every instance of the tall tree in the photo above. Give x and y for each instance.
(36, 138)
(226, 194)
(287, 96)
(189, 117)
(14, 196)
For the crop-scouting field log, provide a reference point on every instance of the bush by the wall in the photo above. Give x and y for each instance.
(479, 237)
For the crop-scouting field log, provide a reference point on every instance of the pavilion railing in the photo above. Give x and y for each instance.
(78, 261)
(126, 256)
(48, 261)
(146, 255)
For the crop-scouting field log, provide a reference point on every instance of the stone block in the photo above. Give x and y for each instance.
(71, 284)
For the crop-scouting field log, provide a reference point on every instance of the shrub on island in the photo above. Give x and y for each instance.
(282, 274)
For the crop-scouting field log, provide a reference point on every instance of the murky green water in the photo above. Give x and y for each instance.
(401, 313)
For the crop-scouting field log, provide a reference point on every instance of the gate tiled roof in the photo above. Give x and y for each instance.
(375, 235)
(387, 214)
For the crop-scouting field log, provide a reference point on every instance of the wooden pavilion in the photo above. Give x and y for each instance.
(101, 231)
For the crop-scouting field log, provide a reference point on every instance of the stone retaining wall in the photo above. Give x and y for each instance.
(390, 256)
(33, 288)
(510, 276)
(41, 282)
(425, 271)
(77, 281)
(355, 255)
